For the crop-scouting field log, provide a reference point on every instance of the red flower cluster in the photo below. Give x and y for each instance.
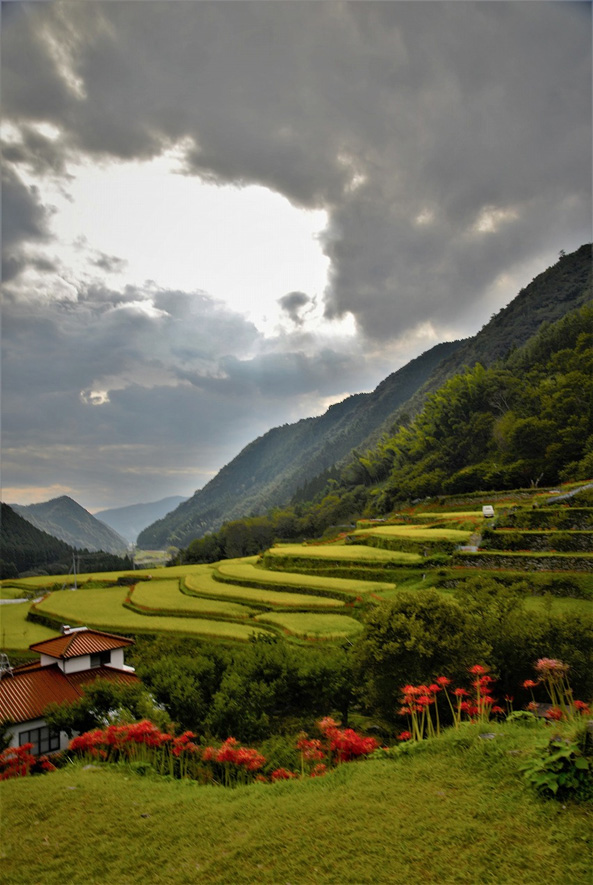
(123, 740)
(346, 744)
(282, 774)
(231, 753)
(310, 748)
(19, 762)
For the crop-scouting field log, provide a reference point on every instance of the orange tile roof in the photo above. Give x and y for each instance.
(84, 677)
(80, 642)
(26, 694)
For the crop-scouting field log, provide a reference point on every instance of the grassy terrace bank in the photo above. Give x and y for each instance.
(456, 811)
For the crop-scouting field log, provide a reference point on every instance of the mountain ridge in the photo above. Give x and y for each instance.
(129, 521)
(65, 519)
(269, 470)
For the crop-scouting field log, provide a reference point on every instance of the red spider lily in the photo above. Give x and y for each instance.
(545, 666)
(319, 770)
(20, 762)
(460, 693)
(496, 709)
(434, 688)
(327, 725)
(555, 714)
(477, 670)
(410, 690)
(443, 681)
(582, 708)
(404, 736)
(345, 744)
(310, 748)
(529, 683)
(282, 774)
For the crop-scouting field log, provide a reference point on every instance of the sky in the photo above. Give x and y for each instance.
(221, 216)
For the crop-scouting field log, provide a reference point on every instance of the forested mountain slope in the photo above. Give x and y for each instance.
(524, 421)
(23, 546)
(65, 519)
(268, 471)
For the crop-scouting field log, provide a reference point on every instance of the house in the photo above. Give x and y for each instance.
(67, 663)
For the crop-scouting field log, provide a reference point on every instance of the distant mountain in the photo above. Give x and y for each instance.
(129, 521)
(29, 550)
(23, 546)
(269, 470)
(65, 519)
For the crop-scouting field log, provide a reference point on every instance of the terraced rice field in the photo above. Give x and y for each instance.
(244, 571)
(205, 585)
(352, 553)
(166, 596)
(415, 532)
(313, 626)
(104, 609)
(16, 631)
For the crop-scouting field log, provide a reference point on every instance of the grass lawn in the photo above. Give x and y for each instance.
(347, 553)
(166, 595)
(104, 609)
(207, 586)
(458, 813)
(18, 633)
(312, 625)
(248, 572)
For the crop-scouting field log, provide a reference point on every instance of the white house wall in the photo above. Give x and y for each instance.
(75, 665)
(15, 730)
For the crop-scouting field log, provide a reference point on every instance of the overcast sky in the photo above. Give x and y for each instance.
(219, 217)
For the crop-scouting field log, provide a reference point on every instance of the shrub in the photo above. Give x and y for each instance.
(561, 771)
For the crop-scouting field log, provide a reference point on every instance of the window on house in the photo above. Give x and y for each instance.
(100, 659)
(43, 740)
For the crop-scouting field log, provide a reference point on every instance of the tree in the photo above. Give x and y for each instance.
(413, 639)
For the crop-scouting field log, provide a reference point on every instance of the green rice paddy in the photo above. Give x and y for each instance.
(166, 596)
(415, 532)
(243, 571)
(352, 553)
(312, 626)
(16, 631)
(104, 609)
(206, 585)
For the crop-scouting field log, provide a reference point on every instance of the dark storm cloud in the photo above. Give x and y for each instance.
(24, 221)
(407, 121)
(123, 372)
(293, 304)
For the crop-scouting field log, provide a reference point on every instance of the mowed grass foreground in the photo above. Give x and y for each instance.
(456, 812)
